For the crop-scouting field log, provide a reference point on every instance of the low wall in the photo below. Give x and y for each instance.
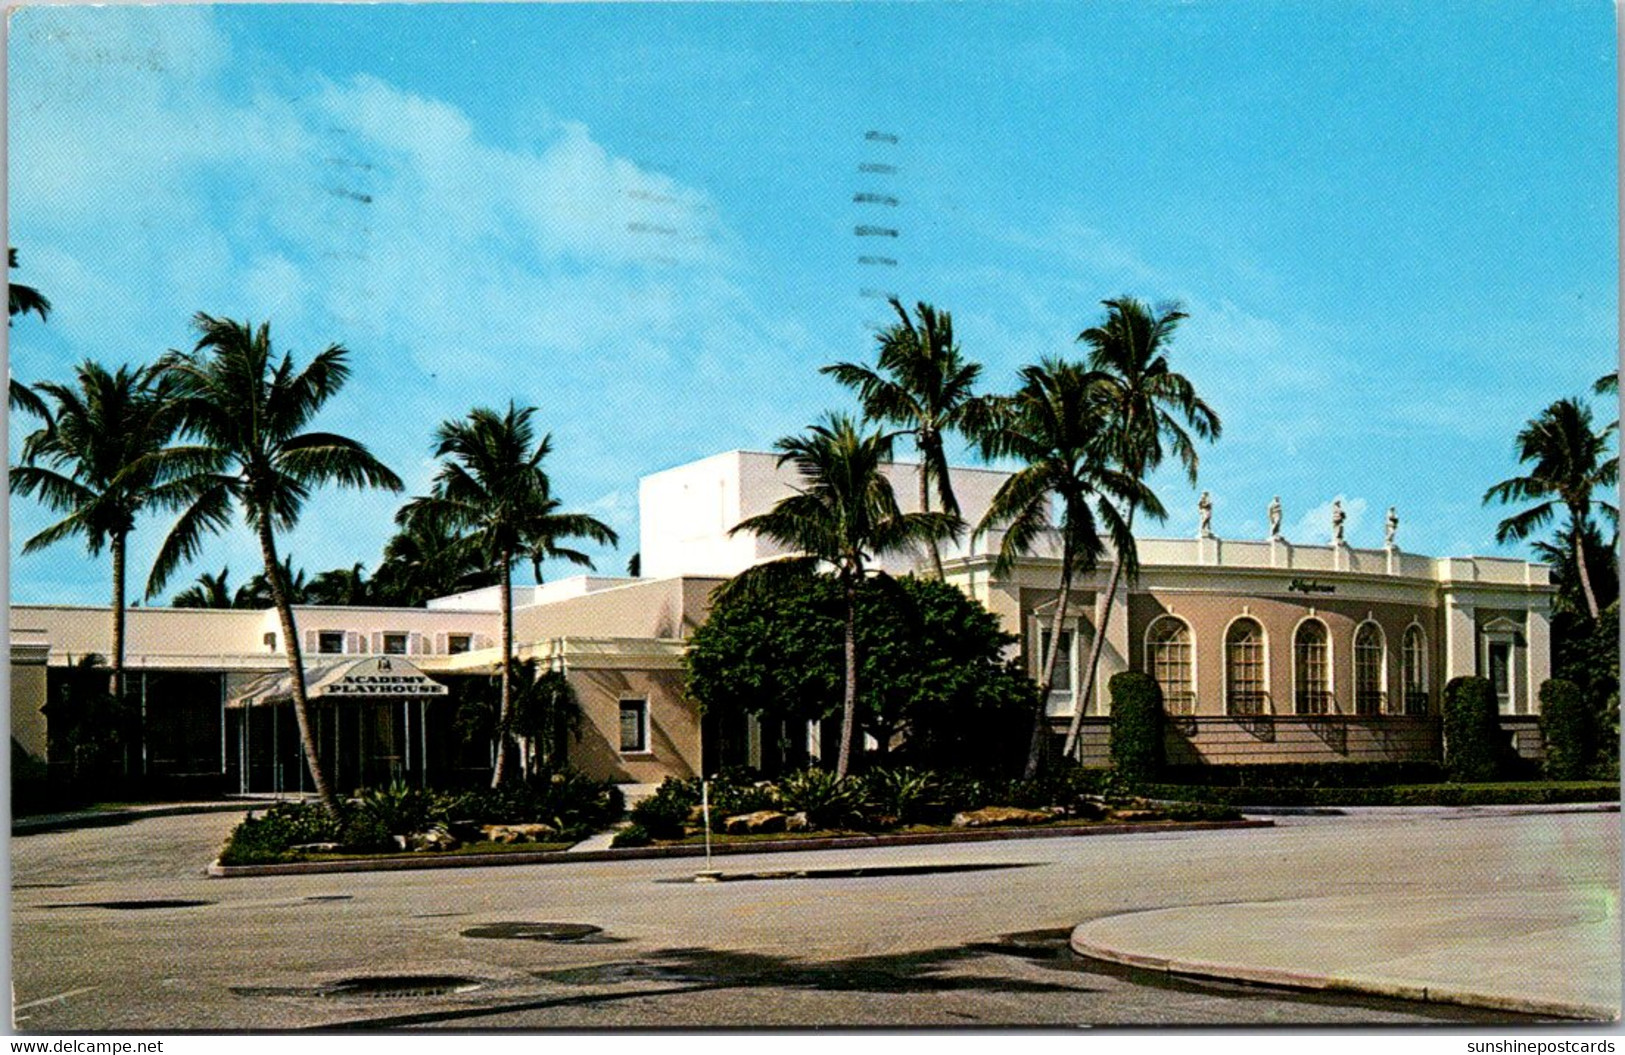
(1523, 730)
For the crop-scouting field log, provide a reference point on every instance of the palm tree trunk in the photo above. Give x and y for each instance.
(849, 700)
(296, 667)
(925, 507)
(1035, 746)
(116, 678)
(505, 711)
(1095, 648)
(1576, 527)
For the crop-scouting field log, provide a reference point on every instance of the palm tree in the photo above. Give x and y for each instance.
(922, 385)
(1148, 408)
(209, 591)
(257, 591)
(341, 586)
(92, 460)
(492, 491)
(244, 410)
(1056, 426)
(24, 299)
(843, 514)
(427, 559)
(1570, 461)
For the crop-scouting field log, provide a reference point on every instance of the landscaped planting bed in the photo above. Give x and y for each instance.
(816, 805)
(550, 811)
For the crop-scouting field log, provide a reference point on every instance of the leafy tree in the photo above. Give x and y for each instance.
(209, 591)
(932, 675)
(90, 727)
(1056, 427)
(1571, 461)
(924, 386)
(492, 491)
(843, 513)
(245, 411)
(1148, 407)
(94, 461)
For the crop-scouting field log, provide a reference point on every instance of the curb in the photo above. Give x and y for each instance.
(1331, 983)
(216, 870)
(107, 818)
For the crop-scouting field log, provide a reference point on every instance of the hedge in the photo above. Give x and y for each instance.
(1524, 794)
(1136, 725)
(1569, 729)
(1472, 730)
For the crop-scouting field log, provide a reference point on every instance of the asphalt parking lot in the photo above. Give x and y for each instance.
(117, 929)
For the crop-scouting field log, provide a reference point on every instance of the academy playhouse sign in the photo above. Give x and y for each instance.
(384, 677)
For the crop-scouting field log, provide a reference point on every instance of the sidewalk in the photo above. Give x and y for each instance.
(1542, 952)
(52, 822)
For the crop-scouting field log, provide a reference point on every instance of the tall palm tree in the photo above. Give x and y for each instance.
(1148, 407)
(92, 460)
(844, 513)
(244, 410)
(1056, 426)
(924, 386)
(492, 490)
(209, 591)
(1571, 460)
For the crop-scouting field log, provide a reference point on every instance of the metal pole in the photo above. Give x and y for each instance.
(705, 809)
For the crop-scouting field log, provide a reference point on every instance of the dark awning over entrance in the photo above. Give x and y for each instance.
(377, 678)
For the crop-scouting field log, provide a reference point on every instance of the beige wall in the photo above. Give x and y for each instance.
(674, 727)
(662, 609)
(27, 699)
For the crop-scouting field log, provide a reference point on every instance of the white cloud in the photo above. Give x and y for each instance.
(150, 182)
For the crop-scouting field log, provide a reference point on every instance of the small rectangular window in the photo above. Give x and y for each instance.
(634, 726)
(457, 644)
(1062, 679)
(394, 644)
(330, 642)
(270, 641)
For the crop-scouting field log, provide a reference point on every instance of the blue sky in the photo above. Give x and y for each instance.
(1393, 225)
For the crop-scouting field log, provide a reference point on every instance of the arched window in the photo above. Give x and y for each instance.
(1244, 668)
(1312, 681)
(1414, 670)
(1368, 662)
(1168, 660)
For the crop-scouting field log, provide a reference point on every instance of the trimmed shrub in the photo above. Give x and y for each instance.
(1305, 774)
(663, 814)
(1569, 729)
(1136, 725)
(1472, 730)
(630, 836)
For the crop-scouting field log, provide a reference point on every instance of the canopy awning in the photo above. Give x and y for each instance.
(377, 677)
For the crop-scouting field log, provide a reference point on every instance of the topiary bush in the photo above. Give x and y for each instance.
(632, 835)
(663, 814)
(1472, 730)
(1569, 728)
(1136, 725)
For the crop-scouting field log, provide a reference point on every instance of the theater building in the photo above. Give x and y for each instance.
(1266, 650)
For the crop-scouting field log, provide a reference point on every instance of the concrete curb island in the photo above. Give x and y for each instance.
(847, 842)
(1431, 974)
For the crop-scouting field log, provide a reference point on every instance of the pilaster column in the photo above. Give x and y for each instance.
(1460, 638)
(1114, 656)
(1538, 648)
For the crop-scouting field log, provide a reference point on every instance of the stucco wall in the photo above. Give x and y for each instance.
(674, 727)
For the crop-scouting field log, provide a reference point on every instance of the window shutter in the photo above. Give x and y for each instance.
(310, 641)
(440, 647)
(377, 643)
(352, 641)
